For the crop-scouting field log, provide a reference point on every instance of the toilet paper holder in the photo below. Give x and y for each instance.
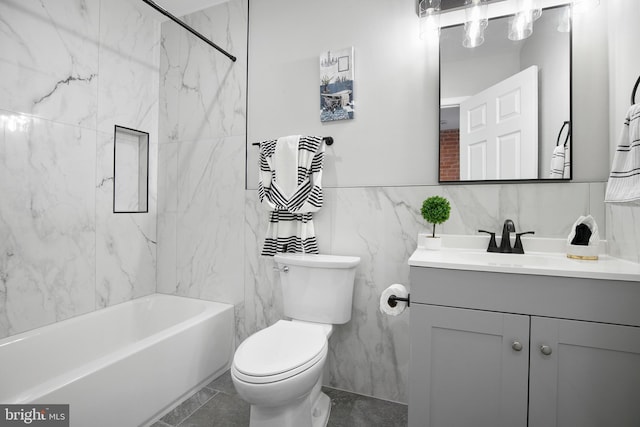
(393, 300)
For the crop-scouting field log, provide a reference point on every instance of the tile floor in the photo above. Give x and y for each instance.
(218, 405)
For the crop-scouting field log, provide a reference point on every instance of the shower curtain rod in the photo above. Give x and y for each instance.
(188, 28)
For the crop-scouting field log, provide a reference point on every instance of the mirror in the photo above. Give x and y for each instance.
(505, 106)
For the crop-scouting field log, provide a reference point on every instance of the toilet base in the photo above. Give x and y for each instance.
(299, 413)
(321, 411)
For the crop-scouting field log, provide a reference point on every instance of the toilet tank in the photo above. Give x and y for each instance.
(317, 288)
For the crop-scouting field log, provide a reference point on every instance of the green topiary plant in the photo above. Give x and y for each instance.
(435, 210)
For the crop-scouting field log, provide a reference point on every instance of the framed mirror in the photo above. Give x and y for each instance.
(505, 106)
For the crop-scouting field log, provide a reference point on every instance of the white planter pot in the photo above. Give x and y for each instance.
(432, 243)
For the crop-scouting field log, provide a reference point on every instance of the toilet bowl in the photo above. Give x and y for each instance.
(278, 370)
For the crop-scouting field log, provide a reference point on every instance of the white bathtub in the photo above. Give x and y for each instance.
(121, 366)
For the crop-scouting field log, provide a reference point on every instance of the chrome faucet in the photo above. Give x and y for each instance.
(505, 243)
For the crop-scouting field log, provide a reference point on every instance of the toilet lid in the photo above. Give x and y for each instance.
(285, 347)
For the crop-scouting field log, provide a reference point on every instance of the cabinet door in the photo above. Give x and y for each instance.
(464, 370)
(590, 379)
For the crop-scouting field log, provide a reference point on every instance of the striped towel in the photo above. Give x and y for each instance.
(624, 180)
(561, 157)
(290, 187)
(560, 163)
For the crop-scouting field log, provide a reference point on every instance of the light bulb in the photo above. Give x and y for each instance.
(521, 25)
(475, 24)
(429, 19)
(564, 24)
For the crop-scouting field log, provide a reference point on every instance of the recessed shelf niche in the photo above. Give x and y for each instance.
(130, 170)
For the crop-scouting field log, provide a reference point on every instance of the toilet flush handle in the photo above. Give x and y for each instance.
(284, 268)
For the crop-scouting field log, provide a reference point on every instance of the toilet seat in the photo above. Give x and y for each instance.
(278, 352)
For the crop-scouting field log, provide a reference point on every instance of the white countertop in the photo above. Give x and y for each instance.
(546, 258)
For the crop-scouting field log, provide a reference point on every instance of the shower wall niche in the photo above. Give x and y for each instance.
(130, 170)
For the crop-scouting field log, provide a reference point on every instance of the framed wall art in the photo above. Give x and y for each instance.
(336, 85)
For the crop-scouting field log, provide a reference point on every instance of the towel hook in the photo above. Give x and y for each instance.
(566, 123)
(633, 92)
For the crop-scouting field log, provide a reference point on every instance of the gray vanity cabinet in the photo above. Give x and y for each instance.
(485, 360)
(464, 371)
(590, 379)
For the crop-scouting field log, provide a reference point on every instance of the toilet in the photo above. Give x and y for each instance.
(278, 370)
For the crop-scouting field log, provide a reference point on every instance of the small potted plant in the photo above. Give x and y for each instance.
(435, 210)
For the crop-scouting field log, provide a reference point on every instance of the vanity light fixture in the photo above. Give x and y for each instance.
(535, 6)
(475, 23)
(521, 24)
(476, 17)
(429, 19)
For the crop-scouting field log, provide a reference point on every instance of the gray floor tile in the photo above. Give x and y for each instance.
(223, 384)
(355, 410)
(220, 411)
(188, 407)
(218, 405)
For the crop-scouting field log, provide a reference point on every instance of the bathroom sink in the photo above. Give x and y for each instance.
(468, 253)
(515, 260)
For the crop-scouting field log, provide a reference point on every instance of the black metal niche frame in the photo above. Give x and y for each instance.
(142, 178)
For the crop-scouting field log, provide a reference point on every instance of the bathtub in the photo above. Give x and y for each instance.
(125, 365)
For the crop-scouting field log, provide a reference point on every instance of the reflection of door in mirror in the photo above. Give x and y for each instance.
(465, 73)
(499, 130)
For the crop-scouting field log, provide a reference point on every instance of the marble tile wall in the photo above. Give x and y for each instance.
(202, 156)
(126, 244)
(623, 222)
(369, 355)
(70, 71)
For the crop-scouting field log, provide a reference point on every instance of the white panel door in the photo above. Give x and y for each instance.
(499, 130)
(464, 369)
(591, 378)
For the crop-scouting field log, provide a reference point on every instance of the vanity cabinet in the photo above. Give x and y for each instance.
(590, 379)
(494, 349)
(464, 371)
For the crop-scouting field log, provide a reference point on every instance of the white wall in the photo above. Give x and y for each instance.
(387, 141)
(393, 125)
(590, 92)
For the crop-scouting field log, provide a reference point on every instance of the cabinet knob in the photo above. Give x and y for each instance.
(545, 349)
(516, 345)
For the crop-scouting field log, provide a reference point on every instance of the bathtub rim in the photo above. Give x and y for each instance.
(61, 323)
(211, 308)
